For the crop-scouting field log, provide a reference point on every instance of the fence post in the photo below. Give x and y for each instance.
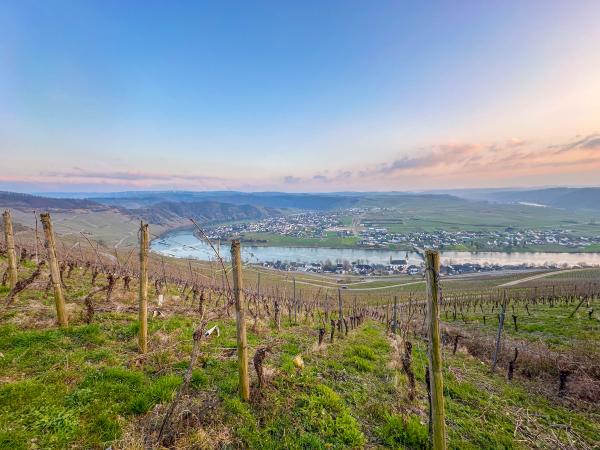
(340, 306)
(11, 255)
(499, 334)
(59, 299)
(438, 433)
(143, 291)
(37, 240)
(295, 303)
(395, 323)
(240, 314)
(258, 285)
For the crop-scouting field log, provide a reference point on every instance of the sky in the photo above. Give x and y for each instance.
(299, 96)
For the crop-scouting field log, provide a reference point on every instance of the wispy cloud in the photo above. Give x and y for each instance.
(511, 161)
(289, 179)
(477, 161)
(442, 155)
(127, 179)
(80, 173)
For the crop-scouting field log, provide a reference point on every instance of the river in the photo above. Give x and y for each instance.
(183, 244)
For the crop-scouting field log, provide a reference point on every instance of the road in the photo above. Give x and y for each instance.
(534, 277)
(345, 288)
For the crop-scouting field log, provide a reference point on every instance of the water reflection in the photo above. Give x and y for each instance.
(183, 244)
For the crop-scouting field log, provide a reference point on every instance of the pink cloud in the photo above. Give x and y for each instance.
(445, 165)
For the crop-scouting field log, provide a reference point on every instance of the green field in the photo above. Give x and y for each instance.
(432, 215)
(452, 215)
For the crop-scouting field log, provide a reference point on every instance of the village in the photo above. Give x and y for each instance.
(395, 267)
(379, 237)
(317, 225)
(307, 225)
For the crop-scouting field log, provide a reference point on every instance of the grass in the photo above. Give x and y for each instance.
(348, 395)
(86, 386)
(552, 325)
(413, 215)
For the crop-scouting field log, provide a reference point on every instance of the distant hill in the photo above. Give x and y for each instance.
(166, 213)
(17, 228)
(26, 201)
(566, 198)
(318, 202)
(294, 202)
(281, 200)
(178, 213)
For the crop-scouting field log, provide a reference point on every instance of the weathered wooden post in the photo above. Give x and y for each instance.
(295, 302)
(340, 306)
(143, 291)
(11, 255)
(387, 317)
(240, 314)
(432, 268)
(59, 299)
(395, 324)
(37, 241)
(499, 334)
(277, 316)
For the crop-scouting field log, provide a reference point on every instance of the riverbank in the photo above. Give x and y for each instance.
(184, 244)
(351, 242)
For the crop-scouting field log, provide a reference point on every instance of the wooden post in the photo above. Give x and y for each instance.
(395, 324)
(37, 241)
(277, 316)
(340, 306)
(295, 303)
(499, 334)
(387, 317)
(59, 299)
(438, 432)
(11, 255)
(143, 291)
(240, 314)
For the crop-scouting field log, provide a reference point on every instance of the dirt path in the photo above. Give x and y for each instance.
(356, 289)
(534, 277)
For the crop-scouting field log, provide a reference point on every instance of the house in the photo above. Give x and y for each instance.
(398, 264)
(413, 270)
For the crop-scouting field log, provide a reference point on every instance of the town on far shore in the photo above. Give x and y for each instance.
(379, 233)
(357, 228)
(402, 266)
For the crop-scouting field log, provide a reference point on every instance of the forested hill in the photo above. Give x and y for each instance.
(167, 213)
(26, 201)
(173, 213)
(568, 198)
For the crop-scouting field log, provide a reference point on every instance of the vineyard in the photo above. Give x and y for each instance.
(126, 349)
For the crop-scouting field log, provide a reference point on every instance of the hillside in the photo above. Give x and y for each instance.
(175, 213)
(566, 198)
(116, 224)
(138, 199)
(562, 197)
(87, 386)
(31, 202)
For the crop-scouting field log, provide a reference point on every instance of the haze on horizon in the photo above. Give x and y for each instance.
(304, 96)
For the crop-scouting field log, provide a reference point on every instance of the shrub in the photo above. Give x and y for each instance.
(398, 432)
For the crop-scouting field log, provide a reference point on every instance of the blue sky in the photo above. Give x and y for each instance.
(298, 96)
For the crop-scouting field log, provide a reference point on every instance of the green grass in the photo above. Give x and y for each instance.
(410, 215)
(552, 325)
(78, 387)
(85, 386)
